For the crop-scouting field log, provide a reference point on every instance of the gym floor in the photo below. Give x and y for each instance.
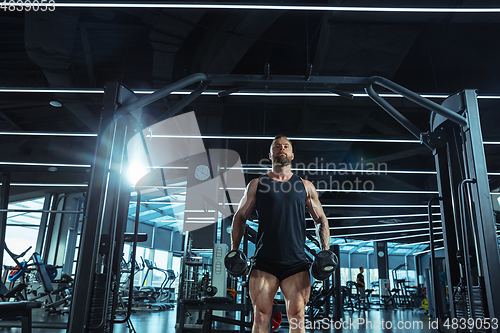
(373, 321)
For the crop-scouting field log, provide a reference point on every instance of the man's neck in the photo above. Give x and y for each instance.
(281, 172)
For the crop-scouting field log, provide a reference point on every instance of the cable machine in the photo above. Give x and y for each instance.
(107, 204)
(103, 230)
(470, 241)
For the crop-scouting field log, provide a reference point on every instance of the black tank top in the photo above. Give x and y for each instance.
(281, 207)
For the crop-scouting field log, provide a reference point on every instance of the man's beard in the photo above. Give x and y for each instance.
(281, 160)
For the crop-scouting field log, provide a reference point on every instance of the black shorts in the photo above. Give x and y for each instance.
(280, 271)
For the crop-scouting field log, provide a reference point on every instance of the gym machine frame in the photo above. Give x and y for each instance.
(470, 241)
(108, 199)
(108, 203)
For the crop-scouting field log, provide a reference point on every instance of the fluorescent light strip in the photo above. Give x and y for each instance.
(164, 167)
(374, 217)
(47, 164)
(51, 90)
(207, 222)
(284, 94)
(92, 91)
(270, 7)
(380, 232)
(272, 137)
(377, 191)
(350, 171)
(375, 225)
(49, 134)
(438, 248)
(366, 171)
(341, 171)
(163, 202)
(228, 137)
(347, 191)
(216, 93)
(168, 167)
(388, 239)
(48, 185)
(167, 187)
(380, 206)
(159, 203)
(199, 211)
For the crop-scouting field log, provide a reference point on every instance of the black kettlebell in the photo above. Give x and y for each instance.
(324, 265)
(236, 263)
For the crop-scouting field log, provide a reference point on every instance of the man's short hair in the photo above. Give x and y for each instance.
(281, 136)
(361, 268)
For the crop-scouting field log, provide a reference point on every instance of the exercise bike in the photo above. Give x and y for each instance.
(16, 288)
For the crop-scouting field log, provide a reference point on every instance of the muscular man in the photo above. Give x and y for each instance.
(280, 198)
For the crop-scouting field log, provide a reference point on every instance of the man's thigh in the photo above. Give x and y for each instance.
(296, 290)
(262, 287)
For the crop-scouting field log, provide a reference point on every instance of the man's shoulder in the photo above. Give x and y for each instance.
(306, 182)
(308, 186)
(253, 183)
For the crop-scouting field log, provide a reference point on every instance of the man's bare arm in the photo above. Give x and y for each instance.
(318, 215)
(245, 208)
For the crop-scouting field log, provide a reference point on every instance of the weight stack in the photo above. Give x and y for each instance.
(98, 303)
(463, 311)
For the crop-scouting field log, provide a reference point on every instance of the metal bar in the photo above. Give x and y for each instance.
(4, 203)
(90, 238)
(245, 281)
(393, 112)
(466, 254)
(484, 219)
(160, 94)
(184, 102)
(302, 79)
(15, 210)
(34, 324)
(47, 242)
(231, 321)
(132, 267)
(435, 283)
(43, 223)
(109, 219)
(416, 98)
(180, 305)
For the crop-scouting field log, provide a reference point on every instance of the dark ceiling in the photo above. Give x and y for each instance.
(435, 53)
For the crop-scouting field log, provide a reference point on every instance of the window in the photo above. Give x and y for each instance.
(142, 253)
(344, 275)
(22, 228)
(372, 279)
(160, 260)
(176, 266)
